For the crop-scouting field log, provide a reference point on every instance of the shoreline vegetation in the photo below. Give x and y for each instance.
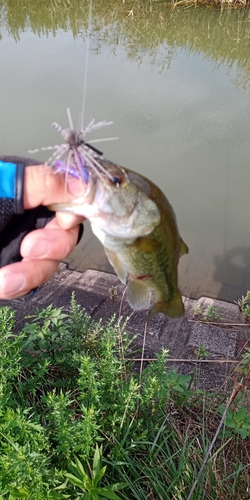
(152, 29)
(80, 418)
(126, 7)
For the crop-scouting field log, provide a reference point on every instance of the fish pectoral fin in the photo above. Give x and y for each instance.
(117, 265)
(183, 248)
(146, 244)
(171, 309)
(138, 294)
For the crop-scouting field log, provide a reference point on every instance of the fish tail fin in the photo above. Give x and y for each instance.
(171, 309)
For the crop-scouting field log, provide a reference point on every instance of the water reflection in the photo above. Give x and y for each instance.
(176, 85)
(232, 271)
(152, 30)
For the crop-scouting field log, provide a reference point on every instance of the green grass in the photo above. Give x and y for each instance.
(77, 421)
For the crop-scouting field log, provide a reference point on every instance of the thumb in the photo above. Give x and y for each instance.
(43, 187)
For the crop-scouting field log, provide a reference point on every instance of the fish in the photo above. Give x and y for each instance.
(137, 226)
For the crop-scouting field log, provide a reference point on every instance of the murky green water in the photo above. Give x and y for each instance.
(176, 85)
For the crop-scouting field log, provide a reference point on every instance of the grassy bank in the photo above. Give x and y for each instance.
(152, 29)
(77, 420)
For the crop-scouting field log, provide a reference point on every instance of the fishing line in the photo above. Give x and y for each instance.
(70, 119)
(86, 66)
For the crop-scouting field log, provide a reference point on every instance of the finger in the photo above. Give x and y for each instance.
(67, 220)
(20, 278)
(51, 242)
(43, 187)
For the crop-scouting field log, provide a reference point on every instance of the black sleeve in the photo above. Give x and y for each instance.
(15, 222)
(17, 228)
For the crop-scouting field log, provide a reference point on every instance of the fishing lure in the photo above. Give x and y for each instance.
(78, 153)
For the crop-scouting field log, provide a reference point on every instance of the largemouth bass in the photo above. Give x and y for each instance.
(137, 226)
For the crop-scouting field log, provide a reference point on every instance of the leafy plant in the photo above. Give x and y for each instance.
(197, 311)
(244, 305)
(160, 385)
(43, 331)
(244, 366)
(211, 313)
(246, 312)
(244, 300)
(88, 479)
(68, 388)
(237, 422)
(201, 352)
(113, 292)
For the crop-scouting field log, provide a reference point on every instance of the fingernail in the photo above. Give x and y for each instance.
(40, 249)
(15, 283)
(76, 187)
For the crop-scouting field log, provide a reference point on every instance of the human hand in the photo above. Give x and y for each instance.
(42, 249)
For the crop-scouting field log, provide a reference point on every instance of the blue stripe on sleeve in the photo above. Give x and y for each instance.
(7, 180)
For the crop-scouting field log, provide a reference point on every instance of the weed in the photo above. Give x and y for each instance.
(244, 366)
(113, 292)
(246, 312)
(244, 300)
(244, 305)
(68, 392)
(201, 352)
(87, 479)
(237, 422)
(210, 313)
(197, 311)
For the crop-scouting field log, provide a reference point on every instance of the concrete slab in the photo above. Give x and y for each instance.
(228, 312)
(218, 342)
(101, 295)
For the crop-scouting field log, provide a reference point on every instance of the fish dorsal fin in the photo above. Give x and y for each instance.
(138, 294)
(117, 265)
(183, 248)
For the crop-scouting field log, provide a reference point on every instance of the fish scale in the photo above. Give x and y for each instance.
(137, 226)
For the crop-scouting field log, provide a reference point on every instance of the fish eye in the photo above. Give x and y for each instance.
(117, 180)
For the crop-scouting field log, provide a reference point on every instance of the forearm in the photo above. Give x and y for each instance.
(11, 191)
(15, 222)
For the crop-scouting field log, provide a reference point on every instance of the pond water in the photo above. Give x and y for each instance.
(176, 85)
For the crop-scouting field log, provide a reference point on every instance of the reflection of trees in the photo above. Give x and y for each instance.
(153, 30)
